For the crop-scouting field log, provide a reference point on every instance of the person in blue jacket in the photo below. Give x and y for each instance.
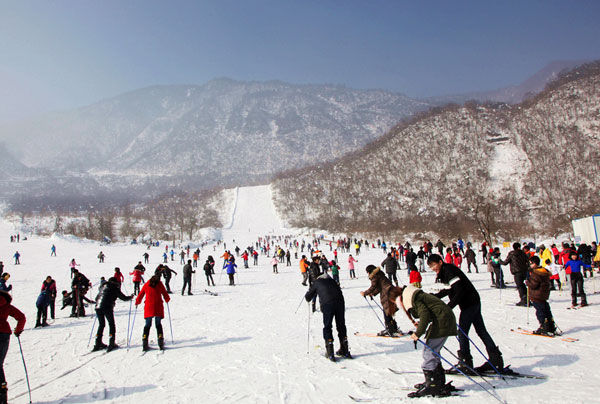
(3, 279)
(576, 265)
(230, 266)
(42, 303)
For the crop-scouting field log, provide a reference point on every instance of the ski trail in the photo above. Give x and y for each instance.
(234, 210)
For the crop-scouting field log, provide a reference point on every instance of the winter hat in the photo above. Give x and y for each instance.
(407, 295)
(370, 268)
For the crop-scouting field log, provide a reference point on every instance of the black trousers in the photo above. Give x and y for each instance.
(521, 288)
(187, 282)
(472, 316)
(167, 286)
(210, 279)
(330, 311)
(392, 277)
(4, 342)
(577, 288)
(103, 317)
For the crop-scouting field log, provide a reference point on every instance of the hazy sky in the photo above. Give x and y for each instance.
(62, 54)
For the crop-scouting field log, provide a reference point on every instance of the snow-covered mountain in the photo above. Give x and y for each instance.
(204, 136)
(515, 93)
(523, 169)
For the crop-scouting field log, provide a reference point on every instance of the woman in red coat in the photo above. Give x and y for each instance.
(155, 291)
(7, 309)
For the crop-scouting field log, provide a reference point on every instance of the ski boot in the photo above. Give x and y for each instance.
(465, 364)
(329, 348)
(495, 361)
(99, 345)
(344, 350)
(111, 344)
(434, 381)
(145, 346)
(161, 342)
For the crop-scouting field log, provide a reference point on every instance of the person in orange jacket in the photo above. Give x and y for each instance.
(304, 269)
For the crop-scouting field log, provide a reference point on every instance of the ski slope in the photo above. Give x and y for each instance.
(248, 345)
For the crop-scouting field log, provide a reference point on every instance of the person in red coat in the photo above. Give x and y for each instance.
(7, 309)
(155, 291)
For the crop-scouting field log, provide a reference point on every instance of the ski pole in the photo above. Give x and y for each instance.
(460, 371)
(132, 323)
(299, 305)
(25, 367)
(376, 315)
(479, 350)
(527, 305)
(170, 324)
(129, 322)
(92, 332)
(308, 331)
(469, 367)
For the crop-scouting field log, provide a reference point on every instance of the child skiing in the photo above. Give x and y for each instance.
(539, 292)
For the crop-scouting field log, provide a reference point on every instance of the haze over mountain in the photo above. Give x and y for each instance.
(223, 133)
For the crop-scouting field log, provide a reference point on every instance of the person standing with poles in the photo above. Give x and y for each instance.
(437, 323)
(6, 310)
(462, 293)
(208, 269)
(155, 292)
(105, 306)
(519, 266)
(381, 285)
(187, 278)
(332, 303)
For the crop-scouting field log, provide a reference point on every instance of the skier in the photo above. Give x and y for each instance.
(415, 277)
(138, 272)
(380, 285)
(274, 262)
(230, 266)
(495, 262)
(146, 257)
(80, 286)
(575, 265)
(53, 250)
(16, 256)
(167, 273)
(304, 269)
(42, 303)
(211, 260)
(437, 323)
(154, 291)
(471, 259)
(391, 266)
(6, 309)
(519, 266)
(73, 265)
(335, 272)
(118, 275)
(332, 304)
(49, 285)
(105, 305)
(314, 271)
(539, 292)
(100, 257)
(208, 273)
(351, 261)
(462, 293)
(187, 277)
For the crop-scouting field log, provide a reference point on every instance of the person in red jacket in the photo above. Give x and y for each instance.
(137, 277)
(7, 309)
(155, 291)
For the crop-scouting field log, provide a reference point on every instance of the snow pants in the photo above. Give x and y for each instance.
(187, 282)
(103, 317)
(542, 312)
(472, 316)
(521, 288)
(430, 359)
(577, 288)
(330, 311)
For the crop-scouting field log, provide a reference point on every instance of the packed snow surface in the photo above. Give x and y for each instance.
(249, 345)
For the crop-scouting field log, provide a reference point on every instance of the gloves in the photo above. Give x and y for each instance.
(18, 333)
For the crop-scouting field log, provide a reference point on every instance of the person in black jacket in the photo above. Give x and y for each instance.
(314, 271)
(167, 274)
(332, 306)
(79, 286)
(463, 294)
(187, 277)
(105, 305)
(391, 266)
(519, 266)
(208, 269)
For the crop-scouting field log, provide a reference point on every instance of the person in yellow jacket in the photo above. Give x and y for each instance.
(545, 254)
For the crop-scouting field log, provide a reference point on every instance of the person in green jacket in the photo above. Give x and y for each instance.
(436, 323)
(335, 272)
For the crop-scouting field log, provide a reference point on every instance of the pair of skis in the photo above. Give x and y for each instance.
(523, 331)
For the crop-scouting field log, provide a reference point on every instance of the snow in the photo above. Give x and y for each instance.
(248, 345)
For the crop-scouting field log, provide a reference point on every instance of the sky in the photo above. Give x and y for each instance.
(64, 54)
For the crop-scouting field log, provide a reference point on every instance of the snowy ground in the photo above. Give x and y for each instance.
(247, 345)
